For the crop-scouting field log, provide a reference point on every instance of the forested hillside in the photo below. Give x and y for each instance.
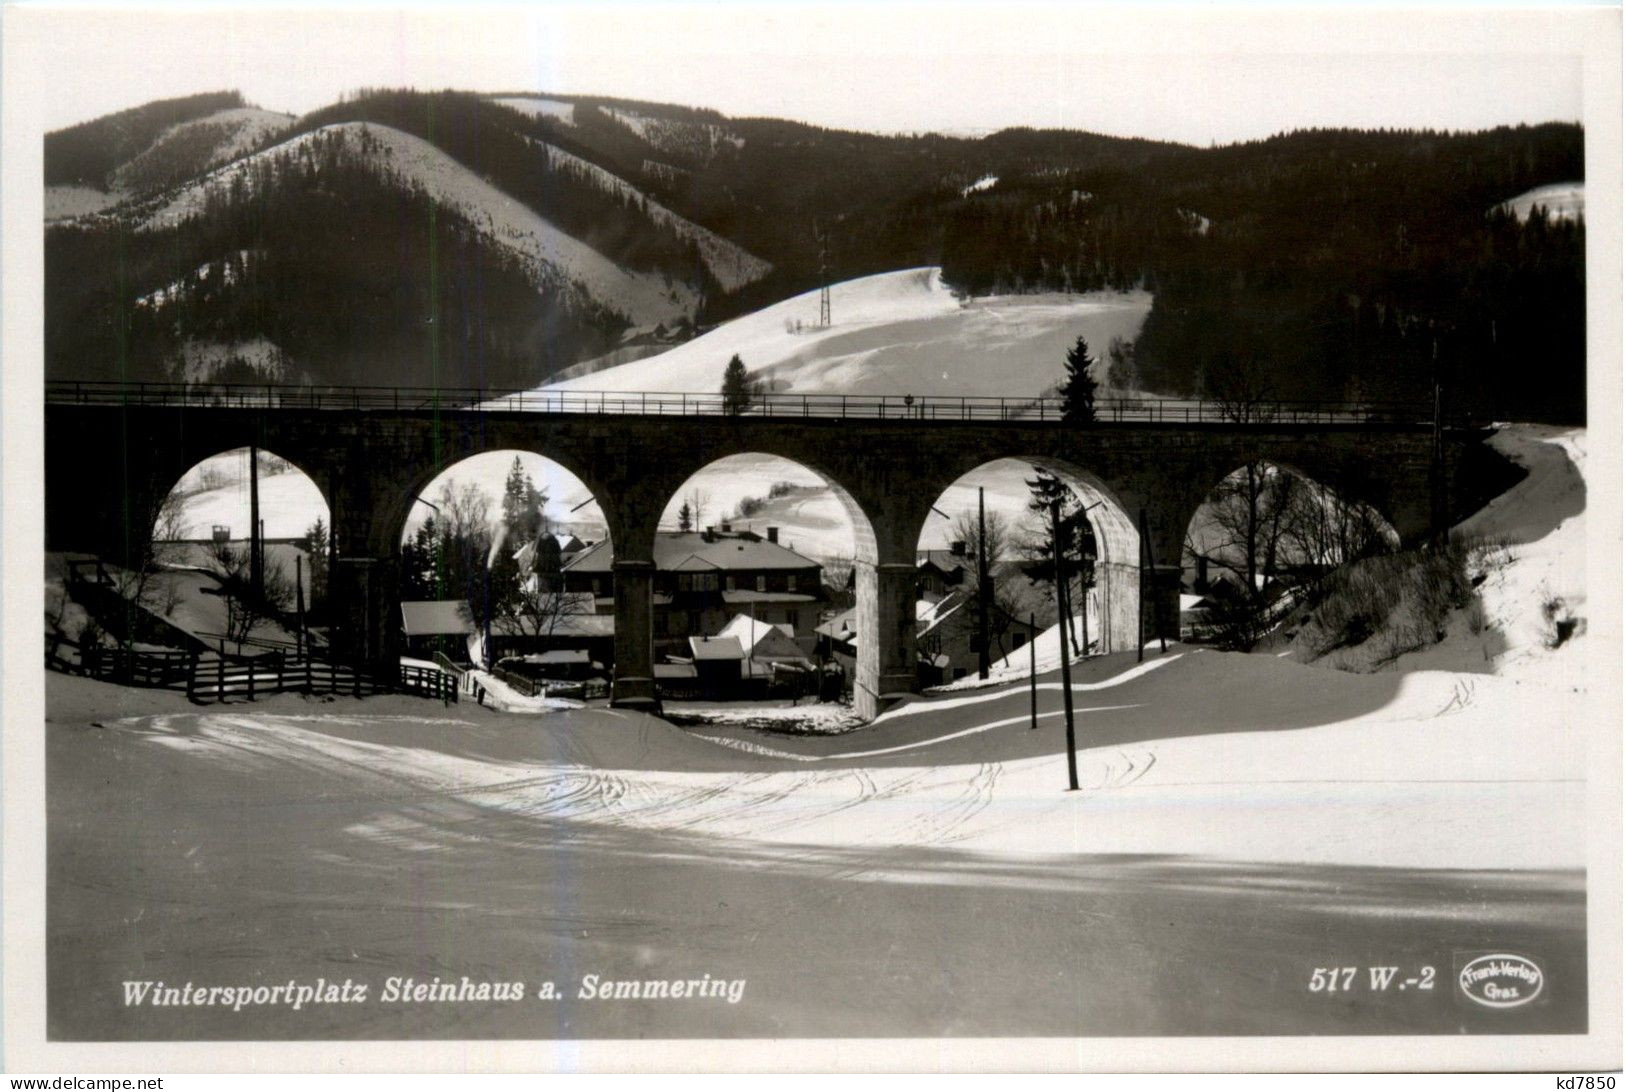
(352, 277)
(1337, 264)
(87, 154)
(1324, 264)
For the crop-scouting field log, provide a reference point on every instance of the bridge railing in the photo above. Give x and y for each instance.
(775, 405)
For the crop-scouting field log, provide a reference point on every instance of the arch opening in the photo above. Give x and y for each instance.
(485, 545)
(1002, 509)
(209, 578)
(757, 559)
(1264, 533)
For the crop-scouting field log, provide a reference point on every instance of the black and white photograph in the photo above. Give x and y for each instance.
(969, 537)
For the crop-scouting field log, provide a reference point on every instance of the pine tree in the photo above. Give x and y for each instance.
(521, 505)
(737, 388)
(1076, 545)
(685, 518)
(1077, 390)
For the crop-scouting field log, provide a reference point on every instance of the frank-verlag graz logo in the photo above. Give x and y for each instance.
(1501, 980)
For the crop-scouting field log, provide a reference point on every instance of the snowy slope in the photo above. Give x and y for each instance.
(645, 298)
(893, 333)
(289, 502)
(190, 146)
(731, 265)
(1279, 762)
(540, 106)
(1562, 201)
(1539, 575)
(236, 132)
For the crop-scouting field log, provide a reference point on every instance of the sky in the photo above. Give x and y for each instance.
(1204, 75)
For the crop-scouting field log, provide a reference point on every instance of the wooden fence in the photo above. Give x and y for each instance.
(212, 677)
(167, 669)
(429, 682)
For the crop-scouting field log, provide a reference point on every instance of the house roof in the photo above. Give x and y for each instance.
(436, 617)
(690, 550)
(944, 560)
(715, 648)
(763, 641)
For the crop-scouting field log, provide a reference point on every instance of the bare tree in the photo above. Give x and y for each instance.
(247, 606)
(697, 499)
(999, 541)
(1242, 388)
(1246, 522)
(1324, 529)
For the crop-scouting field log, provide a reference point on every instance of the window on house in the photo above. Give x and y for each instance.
(761, 581)
(733, 582)
(790, 582)
(794, 618)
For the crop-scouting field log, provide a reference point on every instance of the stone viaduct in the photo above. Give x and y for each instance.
(107, 466)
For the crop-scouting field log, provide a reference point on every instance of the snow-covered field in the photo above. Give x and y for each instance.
(893, 333)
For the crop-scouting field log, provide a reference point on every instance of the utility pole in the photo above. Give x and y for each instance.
(984, 590)
(1032, 669)
(1062, 598)
(1139, 645)
(299, 603)
(1151, 557)
(823, 275)
(1437, 516)
(256, 546)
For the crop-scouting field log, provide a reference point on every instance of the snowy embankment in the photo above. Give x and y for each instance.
(1236, 757)
(645, 298)
(1045, 650)
(1525, 559)
(1542, 523)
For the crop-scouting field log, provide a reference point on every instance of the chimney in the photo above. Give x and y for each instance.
(773, 534)
(727, 528)
(710, 533)
(959, 548)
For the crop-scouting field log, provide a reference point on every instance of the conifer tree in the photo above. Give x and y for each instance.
(521, 505)
(737, 388)
(1077, 390)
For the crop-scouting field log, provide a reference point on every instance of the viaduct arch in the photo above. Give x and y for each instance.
(108, 466)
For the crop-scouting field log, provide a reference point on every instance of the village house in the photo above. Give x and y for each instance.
(704, 578)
